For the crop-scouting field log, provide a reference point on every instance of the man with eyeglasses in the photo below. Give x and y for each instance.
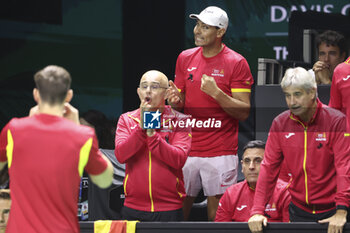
(154, 147)
(211, 81)
(237, 201)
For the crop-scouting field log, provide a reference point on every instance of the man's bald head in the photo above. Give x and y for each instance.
(153, 90)
(156, 75)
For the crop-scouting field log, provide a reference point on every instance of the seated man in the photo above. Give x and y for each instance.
(47, 153)
(5, 204)
(238, 199)
(331, 47)
(153, 184)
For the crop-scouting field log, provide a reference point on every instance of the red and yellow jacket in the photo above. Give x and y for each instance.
(153, 175)
(317, 155)
(237, 201)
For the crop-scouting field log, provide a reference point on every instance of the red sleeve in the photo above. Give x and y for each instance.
(180, 74)
(241, 77)
(269, 171)
(174, 154)
(341, 150)
(284, 173)
(335, 97)
(3, 144)
(226, 208)
(127, 143)
(283, 206)
(96, 164)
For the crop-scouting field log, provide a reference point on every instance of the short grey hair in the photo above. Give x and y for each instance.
(298, 77)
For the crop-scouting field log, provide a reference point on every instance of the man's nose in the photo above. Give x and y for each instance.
(292, 100)
(326, 57)
(196, 30)
(2, 218)
(251, 165)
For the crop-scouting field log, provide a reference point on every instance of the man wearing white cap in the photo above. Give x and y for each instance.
(212, 83)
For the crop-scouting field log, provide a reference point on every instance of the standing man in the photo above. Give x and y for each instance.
(212, 81)
(237, 201)
(153, 185)
(340, 95)
(47, 153)
(332, 50)
(311, 138)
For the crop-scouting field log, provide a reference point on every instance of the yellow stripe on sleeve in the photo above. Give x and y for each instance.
(126, 180)
(84, 155)
(240, 90)
(179, 90)
(9, 148)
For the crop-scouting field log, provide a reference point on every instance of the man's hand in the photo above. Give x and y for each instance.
(336, 222)
(322, 73)
(256, 222)
(174, 97)
(71, 113)
(208, 86)
(144, 107)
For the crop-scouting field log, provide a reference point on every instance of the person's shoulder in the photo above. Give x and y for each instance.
(283, 116)
(238, 186)
(231, 54)
(342, 70)
(20, 122)
(131, 114)
(190, 52)
(332, 113)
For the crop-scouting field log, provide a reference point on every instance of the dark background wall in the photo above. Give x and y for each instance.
(108, 44)
(153, 37)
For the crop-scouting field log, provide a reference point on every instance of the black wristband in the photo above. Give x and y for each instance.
(341, 207)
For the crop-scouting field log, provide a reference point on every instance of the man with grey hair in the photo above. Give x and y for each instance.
(311, 138)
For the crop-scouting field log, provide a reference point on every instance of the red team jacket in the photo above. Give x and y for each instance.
(237, 201)
(153, 175)
(316, 154)
(340, 89)
(46, 157)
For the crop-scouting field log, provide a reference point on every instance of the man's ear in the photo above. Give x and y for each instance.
(138, 92)
(69, 96)
(221, 32)
(36, 95)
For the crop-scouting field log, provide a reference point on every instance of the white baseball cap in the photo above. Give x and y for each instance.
(213, 16)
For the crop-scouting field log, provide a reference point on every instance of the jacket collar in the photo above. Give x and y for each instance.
(318, 109)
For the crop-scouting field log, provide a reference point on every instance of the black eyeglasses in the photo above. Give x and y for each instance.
(153, 86)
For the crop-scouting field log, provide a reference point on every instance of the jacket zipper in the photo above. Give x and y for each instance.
(150, 180)
(305, 157)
